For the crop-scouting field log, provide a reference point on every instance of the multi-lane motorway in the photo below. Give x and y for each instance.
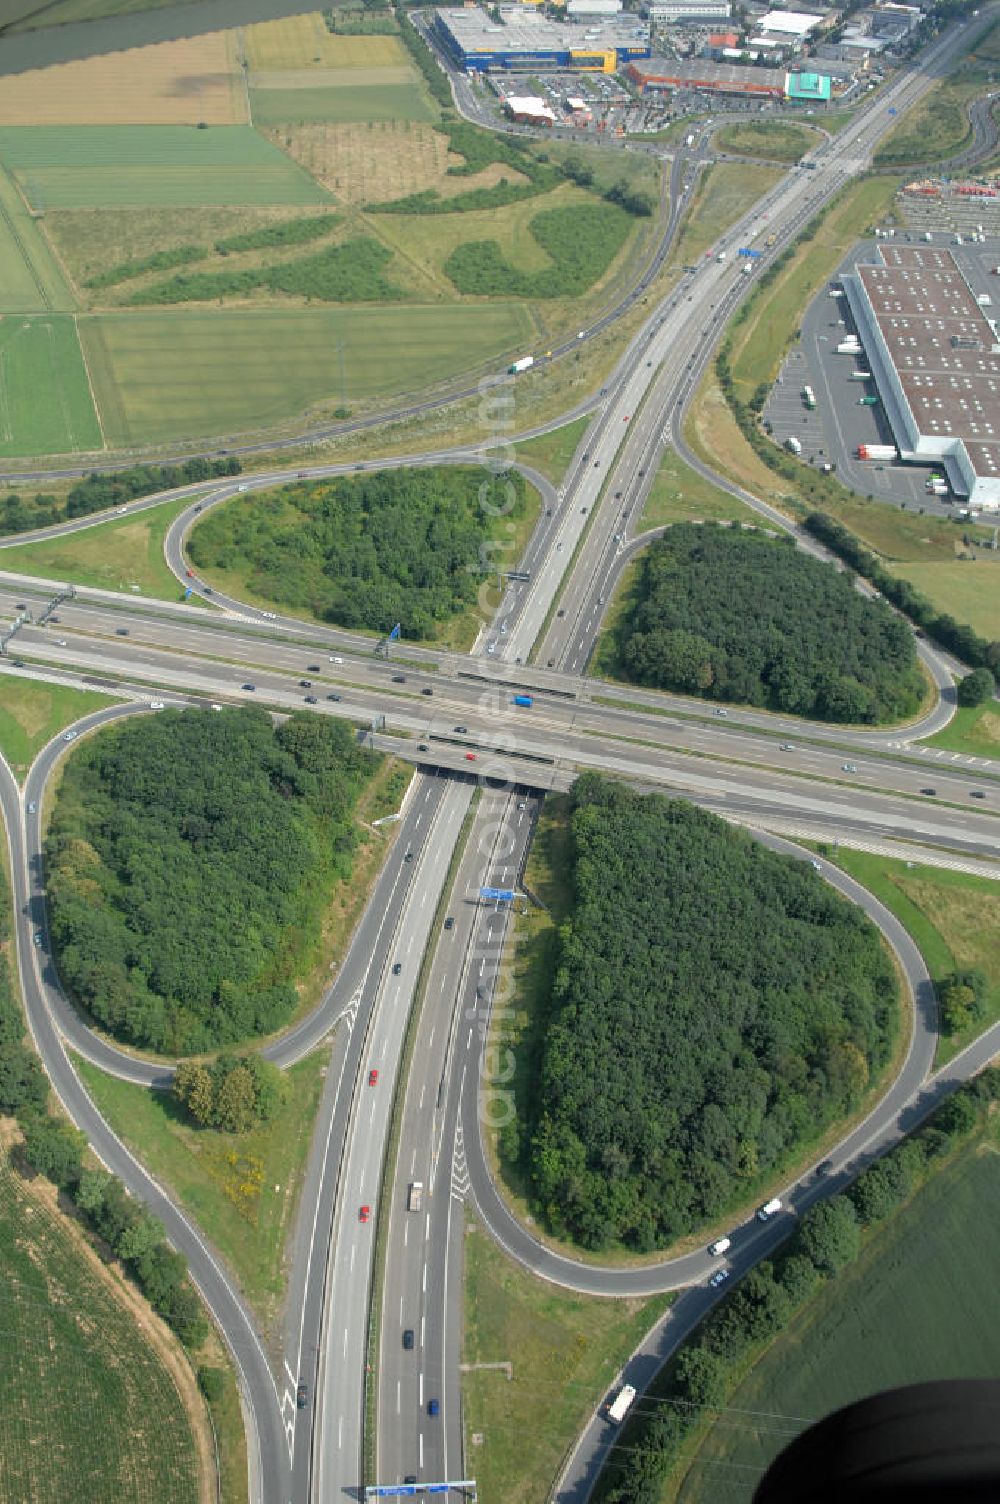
(455, 714)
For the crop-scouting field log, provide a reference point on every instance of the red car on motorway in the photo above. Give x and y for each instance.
(364, 1214)
(373, 1078)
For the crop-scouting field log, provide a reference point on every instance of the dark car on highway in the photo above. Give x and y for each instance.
(310, 699)
(302, 1396)
(408, 1338)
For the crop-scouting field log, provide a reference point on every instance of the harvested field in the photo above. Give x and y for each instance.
(173, 83)
(378, 161)
(305, 42)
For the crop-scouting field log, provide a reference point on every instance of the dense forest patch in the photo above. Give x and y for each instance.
(734, 615)
(713, 1006)
(407, 546)
(188, 862)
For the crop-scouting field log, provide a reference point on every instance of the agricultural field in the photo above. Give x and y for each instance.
(98, 1401)
(170, 83)
(299, 72)
(968, 590)
(27, 15)
(62, 167)
(343, 103)
(383, 160)
(859, 1335)
(168, 376)
(775, 140)
(30, 278)
(306, 42)
(45, 400)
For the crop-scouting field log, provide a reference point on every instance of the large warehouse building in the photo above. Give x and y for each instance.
(527, 41)
(936, 359)
(727, 78)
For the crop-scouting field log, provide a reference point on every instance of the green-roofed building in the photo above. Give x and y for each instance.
(811, 87)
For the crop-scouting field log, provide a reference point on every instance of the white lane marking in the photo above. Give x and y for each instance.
(399, 1396)
(421, 1386)
(345, 1342)
(352, 1256)
(421, 1438)
(340, 1433)
(420, 1105)
(385, 1046)
(423, 1282)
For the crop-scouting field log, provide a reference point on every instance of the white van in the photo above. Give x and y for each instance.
(768, 1210)
(721, 1245)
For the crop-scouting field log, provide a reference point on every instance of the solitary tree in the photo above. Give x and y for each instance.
(976, 688)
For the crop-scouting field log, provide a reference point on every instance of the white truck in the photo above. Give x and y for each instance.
(415, 1196)
(793, 444)
(524, 364)
(619, 1407)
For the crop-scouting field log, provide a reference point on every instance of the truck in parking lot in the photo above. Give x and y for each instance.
(876, 451)
(794, 444)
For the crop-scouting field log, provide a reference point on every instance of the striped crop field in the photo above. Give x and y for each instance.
(169, 375)
(45, 401)
(92, 1409)
(94, 166)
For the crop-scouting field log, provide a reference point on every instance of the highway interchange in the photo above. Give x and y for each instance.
(864, 787)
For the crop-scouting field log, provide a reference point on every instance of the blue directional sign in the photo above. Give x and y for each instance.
(893, 110)
(395, 632)
(187, 592)
(407, 1490)
(503, 895)
(745, 250)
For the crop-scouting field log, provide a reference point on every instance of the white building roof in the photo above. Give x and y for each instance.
(793, 23)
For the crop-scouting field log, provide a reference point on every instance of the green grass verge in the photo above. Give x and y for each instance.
(45, 401)
(27, 15)
(953, 917)
(174, 375)
(341, 105)
(86, 1395)
(551, 452)
(241, 1189)
(778, 140)
(972, 729)
(938, 125)
(760, 340)
(565, 1351)
(32, 713)
(111, 555)
(114, 165)
(680, 494)
(725, 191)
(921, 1303)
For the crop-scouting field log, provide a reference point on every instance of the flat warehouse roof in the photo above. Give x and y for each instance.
(526, 31)
(942, 346)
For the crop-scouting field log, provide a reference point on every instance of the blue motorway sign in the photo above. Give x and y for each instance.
(745, 250)
(504, 895)
(407, 1490)
(893, 110)
(395, 632)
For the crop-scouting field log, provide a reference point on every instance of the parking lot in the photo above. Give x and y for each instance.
(840, 422)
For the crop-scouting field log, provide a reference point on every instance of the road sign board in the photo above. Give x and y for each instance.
(504, 895)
